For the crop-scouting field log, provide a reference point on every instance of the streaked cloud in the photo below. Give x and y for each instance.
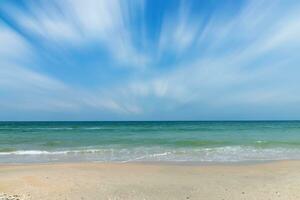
(110, 60)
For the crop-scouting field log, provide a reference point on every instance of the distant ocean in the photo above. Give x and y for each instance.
(217, 142)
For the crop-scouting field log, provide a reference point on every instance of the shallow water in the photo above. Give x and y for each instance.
(149, 141)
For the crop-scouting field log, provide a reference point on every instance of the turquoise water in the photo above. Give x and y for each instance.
(149, 141)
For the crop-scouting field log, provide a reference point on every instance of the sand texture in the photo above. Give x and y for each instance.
(89, 181)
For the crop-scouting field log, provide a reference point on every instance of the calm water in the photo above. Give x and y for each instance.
(149, 141)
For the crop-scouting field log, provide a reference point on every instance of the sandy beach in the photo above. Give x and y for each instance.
(277, 180)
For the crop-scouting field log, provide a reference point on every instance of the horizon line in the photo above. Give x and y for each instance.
(233, 120)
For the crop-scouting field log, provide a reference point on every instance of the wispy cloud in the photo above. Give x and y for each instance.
(24, 89)
(179, 29)
(207, 63)
(82, 23)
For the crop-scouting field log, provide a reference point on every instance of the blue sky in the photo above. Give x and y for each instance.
(149, 60)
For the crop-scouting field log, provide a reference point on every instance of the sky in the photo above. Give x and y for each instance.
(149, 60)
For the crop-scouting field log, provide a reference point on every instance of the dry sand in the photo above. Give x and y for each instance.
(278, 180)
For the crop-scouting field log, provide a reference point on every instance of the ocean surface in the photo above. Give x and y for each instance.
(217, 142)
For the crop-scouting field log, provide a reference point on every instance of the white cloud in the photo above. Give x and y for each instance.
(179, 30)
(233, 68)
(83, 23)
(23, 89)
(11, 44)
(240, 73)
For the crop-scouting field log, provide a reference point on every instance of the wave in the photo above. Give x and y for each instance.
(39, 152)
(157, 154)
(38, 128)
(50, 128)
(270, 143)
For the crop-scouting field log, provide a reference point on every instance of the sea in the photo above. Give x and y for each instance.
(149, 141)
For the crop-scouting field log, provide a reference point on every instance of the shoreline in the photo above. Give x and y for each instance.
(273, 180)
(166, 163)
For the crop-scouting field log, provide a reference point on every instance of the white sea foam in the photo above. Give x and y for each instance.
(92, 128)
(37, 128)
(260, 141)
(37, 152)
(157, 154)
(51, 128)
